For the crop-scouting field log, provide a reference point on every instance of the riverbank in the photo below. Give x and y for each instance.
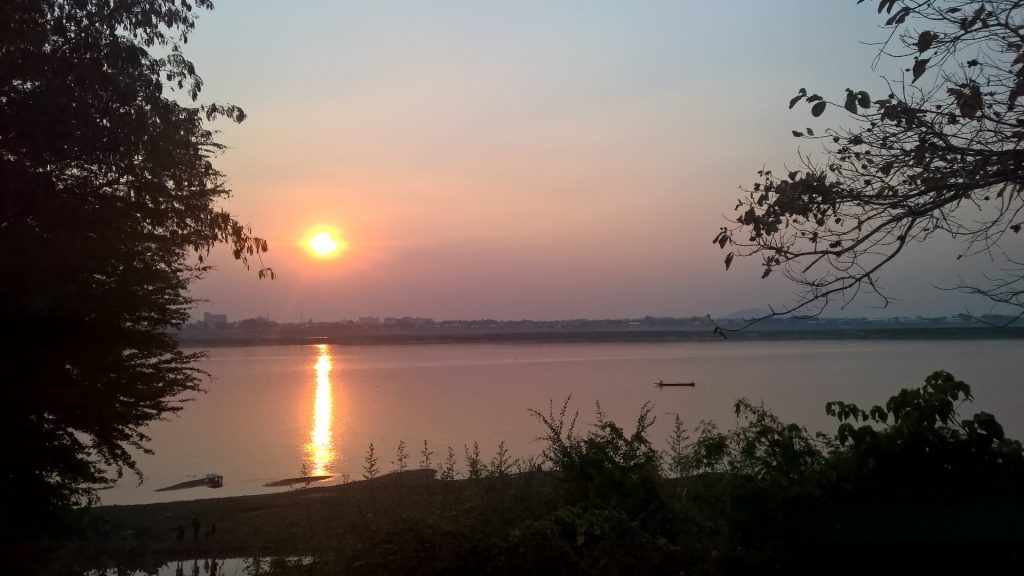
(340, 522)
(523, 523)
(917, 497)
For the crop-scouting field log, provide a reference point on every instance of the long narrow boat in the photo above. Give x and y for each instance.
(210, 481)
(299, 480)
(661, 384)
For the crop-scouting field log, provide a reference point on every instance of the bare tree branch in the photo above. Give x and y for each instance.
(940, 154)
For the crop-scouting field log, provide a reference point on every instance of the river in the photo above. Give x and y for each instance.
(274, 412)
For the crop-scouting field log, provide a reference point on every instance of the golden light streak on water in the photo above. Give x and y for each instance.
(320, 449)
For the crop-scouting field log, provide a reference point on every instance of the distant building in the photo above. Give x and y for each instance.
(215, 320)
(252, 323)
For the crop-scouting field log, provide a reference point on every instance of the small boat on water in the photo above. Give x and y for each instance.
(210, 481)
(663, 384)
(298, 480)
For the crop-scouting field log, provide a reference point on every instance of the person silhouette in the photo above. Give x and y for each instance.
(195, 529)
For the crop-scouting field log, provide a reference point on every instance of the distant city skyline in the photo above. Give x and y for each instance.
(212, 317)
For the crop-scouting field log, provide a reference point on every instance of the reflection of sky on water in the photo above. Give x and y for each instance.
(320, 449)
(255, 423)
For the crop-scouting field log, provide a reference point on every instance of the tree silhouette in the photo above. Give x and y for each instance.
(940, 153)
(110, 199)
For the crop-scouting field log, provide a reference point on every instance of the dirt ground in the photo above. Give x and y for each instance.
(298, 522)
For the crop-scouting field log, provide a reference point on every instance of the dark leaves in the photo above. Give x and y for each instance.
(899, 17)
(978, 16)
(851, 102)
(722, 238)
(920, 65)
(904, 162)
(986, 423)
(799, 96)
(925, 40)
(1017, 92)
(969, 102)
(126, 190)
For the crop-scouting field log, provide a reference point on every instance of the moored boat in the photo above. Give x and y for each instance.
(210, 481)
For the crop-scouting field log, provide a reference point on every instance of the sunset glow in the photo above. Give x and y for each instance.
(324, 243)
(572, 169)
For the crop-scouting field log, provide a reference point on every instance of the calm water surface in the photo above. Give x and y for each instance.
(274, 412)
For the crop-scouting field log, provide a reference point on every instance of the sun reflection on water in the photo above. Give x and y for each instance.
(320, 449)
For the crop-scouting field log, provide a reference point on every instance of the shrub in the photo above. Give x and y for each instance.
(425, 456)
(370, 469)
(475, 467)
(502, 463)
(448, 470)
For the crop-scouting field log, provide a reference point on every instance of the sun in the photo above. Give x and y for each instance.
(324, 243)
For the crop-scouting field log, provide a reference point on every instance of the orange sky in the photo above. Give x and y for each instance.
(517, 160)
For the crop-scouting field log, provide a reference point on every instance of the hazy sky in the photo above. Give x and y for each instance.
(521, 159)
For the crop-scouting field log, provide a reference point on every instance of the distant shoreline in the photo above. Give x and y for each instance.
(226, 338)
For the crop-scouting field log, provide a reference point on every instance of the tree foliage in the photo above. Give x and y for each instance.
(609, 490)
(891, 483)
(938, 153)
(109, 199)
(911, 484)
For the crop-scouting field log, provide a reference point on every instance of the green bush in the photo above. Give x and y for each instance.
(911, 484)
(610, 494)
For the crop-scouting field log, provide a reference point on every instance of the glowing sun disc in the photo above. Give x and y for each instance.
(323, 244)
